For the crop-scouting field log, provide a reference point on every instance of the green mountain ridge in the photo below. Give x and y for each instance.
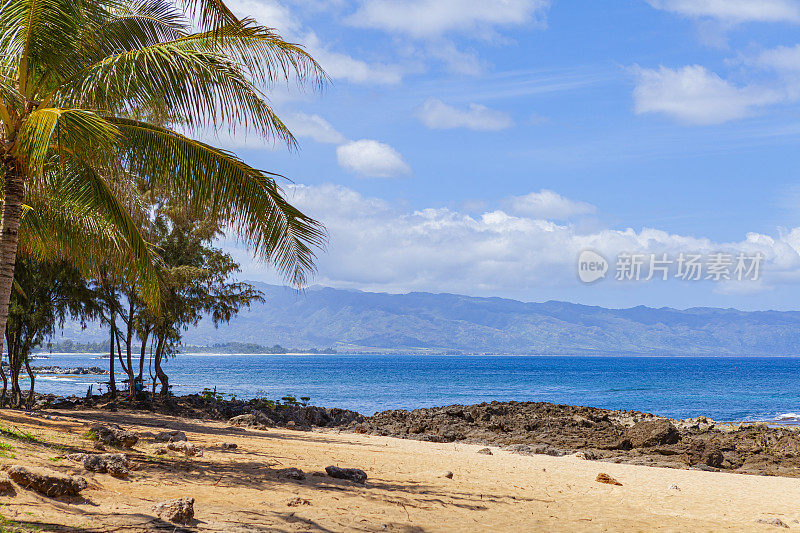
(350, 320)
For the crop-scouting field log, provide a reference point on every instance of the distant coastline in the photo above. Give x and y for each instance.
(234, 348)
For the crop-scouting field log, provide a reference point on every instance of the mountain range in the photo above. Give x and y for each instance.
(350, 320)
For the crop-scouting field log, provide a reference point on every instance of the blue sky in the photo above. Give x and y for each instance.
(478, 147)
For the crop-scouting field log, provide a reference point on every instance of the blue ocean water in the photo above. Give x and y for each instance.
(723, 388)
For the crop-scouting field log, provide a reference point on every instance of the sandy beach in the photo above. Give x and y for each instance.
(241, 489)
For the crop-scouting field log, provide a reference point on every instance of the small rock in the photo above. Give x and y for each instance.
(291, 473)
(114, 435)
(290, 424)
(296, 502)
(674, 487)
(180, 511)
(229, 445)
(170, 436)
(5, 483)
(586, 455)
(188, 449)
(773, 522)
(485, 451)
(355, 475)
(608, 480)
(46, 482)
(99, 446)
(161, 450)
(115, 464)
(446, 474)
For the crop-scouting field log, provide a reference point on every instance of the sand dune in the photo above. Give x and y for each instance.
(241, 490)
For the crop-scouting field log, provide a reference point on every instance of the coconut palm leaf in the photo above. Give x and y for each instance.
(246, 199)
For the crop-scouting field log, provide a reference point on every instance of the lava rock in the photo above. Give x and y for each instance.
(115, 464)
(179, 511)
(355, 475)
(291, 473)
(187, 448)
(170, 436)
(659, 431)
(254, 420)
(114, 435)
(46, 482)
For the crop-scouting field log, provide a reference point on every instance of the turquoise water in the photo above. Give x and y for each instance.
(723, 388)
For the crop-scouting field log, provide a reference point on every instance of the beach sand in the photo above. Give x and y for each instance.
(240, 490)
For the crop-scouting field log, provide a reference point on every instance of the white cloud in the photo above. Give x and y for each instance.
(314, 127)
(549, 205)
(371, 159)
(338, 65)
(376, 245)
(437, 115)
(345, 67)
(696, 95)
(733, 11)
(434, 18)
(784, 59)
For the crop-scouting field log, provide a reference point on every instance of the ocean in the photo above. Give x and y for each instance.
(724, 388)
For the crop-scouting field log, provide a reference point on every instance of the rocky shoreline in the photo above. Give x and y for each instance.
(600, 434)
(527, 428)
(70, 371)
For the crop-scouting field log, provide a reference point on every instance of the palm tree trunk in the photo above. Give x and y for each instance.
(9, 235)
(142, 356)
(112, 383)
(162, 376)
(31, 376)
(128, 341)
(4, 394)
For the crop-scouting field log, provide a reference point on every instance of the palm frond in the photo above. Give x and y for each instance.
(204, 89)
(212, 14)
(68, 132)
(137, 24)
(213, 180)
(268, 57)
(74, 215)
(38, 36)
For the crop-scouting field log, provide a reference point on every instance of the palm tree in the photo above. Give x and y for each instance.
(76, 76)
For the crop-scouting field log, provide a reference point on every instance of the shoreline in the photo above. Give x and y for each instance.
(525, 428)
(411, 486)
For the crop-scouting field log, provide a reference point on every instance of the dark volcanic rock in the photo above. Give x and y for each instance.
(355, 475)
(170, 436)
(114, 435)
(619, 436)
(704, 452)
(653, 433)
(46, 482)
(296, 417)
(291, 473)
(254, 420)
(115, 464)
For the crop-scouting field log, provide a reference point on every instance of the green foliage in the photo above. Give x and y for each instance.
(91, 435)
(23, 436)
(99, 100)
(208, 394)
